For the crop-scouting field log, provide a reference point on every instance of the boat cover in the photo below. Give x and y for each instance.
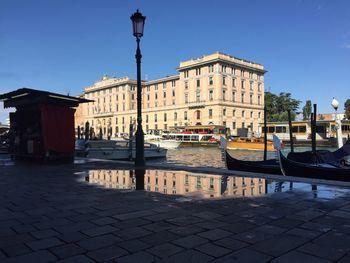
(323, 156)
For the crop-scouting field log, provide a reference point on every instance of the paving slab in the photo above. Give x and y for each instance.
(44, 233)
(159, 238)
(246, 256)
(77, 259)
(142, 256)
(190, 256)
(94, 243)
(67, 251)
(252, 236)
(100, 230)
(37, 257)
(215, 234)
(164, 250)
(334, 240)
(231, 244)
(213, 250)
(344, 259)
(190, 241)
(107, 253)
(44, 243)
(322, 251)
(297, 257)
(279, 245)
(134, 245)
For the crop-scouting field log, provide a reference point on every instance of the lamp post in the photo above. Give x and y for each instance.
(335, 105)
(138, 22)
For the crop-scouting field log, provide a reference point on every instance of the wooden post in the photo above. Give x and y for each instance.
(290, 132)
(86, 131)
(313, 132)
(265, 135)
(78, 132)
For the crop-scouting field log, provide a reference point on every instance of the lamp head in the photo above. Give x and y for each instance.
(138, 22)
(335, 104)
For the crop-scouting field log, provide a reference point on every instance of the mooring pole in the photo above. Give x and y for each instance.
(313, 133)
(265, 135)
(290, 132)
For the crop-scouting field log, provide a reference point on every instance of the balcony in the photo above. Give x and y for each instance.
(196, 104)
(103, 114)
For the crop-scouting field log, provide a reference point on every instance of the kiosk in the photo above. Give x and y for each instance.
(43, 124)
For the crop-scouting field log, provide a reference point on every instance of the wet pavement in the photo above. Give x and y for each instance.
(92, 212)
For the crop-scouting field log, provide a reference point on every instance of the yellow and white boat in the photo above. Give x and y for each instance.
(249, 144)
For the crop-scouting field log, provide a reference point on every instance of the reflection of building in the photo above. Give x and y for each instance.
(181, 183)
(215, 89)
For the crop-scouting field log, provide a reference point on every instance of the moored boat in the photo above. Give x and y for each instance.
(327, 171)
(162, 141)
(120, 150)
(249, 144)
(270, 166)
(192, 139)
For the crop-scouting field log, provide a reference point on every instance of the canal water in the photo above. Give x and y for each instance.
(211, 156)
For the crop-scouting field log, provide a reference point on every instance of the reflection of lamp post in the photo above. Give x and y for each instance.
(99, 127)
(138, 22)
(335, 105)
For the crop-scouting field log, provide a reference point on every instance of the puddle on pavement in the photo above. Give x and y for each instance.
(190, 186)
(5, 160)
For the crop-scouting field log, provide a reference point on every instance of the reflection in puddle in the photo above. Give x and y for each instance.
(202, 186)
(5, 160)
(195, 185)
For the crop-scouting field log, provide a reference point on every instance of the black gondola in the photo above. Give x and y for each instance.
(270, 166)
(319, 171)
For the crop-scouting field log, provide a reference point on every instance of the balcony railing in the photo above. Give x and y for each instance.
(196, 104)
(103, 114)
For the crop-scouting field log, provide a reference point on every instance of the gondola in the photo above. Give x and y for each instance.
(327, 171)
(270, 166)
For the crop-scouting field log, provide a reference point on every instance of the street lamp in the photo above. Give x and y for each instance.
(335, 105)
(138, 22)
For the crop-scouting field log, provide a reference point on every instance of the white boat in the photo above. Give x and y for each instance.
(120, 150)
(193, 139)
(162, 141)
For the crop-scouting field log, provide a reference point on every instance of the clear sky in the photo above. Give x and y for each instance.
(66, 45)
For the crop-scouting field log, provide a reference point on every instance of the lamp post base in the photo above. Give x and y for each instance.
(139, 158)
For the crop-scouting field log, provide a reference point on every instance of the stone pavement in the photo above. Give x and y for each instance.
(47, 213)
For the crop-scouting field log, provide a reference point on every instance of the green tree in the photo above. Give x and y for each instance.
(278, 105)
(347, 109)
(307, 110)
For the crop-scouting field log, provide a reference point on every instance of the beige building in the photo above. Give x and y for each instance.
(214, 89)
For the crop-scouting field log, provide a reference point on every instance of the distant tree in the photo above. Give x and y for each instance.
(321, 117)
(277, 106)
(307, 110)
(347, 109)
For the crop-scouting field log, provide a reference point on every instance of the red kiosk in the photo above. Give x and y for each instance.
(43, 125)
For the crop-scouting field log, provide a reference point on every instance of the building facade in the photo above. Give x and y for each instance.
(216, 89)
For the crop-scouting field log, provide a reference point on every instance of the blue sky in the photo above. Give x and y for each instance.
(66, 45)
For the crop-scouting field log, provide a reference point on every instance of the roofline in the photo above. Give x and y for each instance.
(225, 61)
